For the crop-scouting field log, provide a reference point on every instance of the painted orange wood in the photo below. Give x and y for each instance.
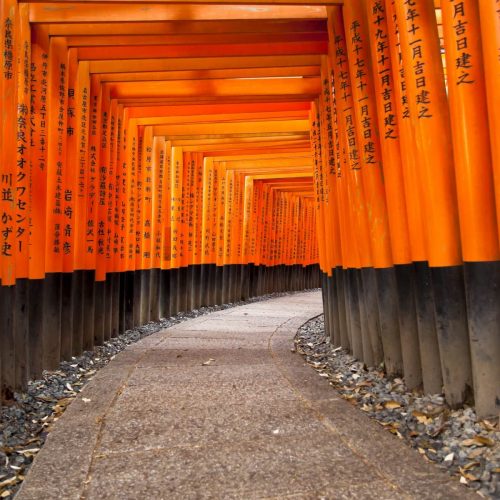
(74, 12)
(430, 117)
(38, 160)
(412, 184)
(490, 33)
(470, 131)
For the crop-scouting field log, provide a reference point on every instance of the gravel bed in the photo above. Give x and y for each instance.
(453, 439)
(25, 424)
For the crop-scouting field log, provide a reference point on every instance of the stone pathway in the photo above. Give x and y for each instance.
(219, 407)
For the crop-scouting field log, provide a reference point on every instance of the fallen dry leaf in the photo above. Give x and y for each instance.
(391, 405)
(490, 426)
(469, 442)
(396, 433)
(478, 441)
(468, 476)
(434, 412)
(484, 440)
(470, 465)
(475, 453)
(29, 452)
(422, 418)
(9, 482)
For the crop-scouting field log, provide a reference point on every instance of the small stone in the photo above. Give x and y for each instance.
(486, 476)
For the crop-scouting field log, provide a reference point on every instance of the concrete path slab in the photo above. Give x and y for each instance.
(256, 422)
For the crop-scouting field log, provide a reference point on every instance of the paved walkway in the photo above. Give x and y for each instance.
(219, 407)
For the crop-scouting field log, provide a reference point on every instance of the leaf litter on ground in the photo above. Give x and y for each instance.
(456, 440)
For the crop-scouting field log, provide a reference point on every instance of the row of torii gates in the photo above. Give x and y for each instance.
(157, 157)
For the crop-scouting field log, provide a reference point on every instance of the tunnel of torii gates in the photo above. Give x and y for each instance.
(157, 157)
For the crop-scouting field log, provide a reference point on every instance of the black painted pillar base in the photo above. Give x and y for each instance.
(239, 282)
(365, 326)
(154, 303)
(174, 291)
(88, 309)
(117, 304)
(137, 288)
(341, 308)
(69, 285)
(326, 304)
(189, 287)
(78, 313)
(429, 348)
(210, 285)
(52, 321)
(452, 333)
(8, 383)
(370, 296)
(195, 287)
(218, 275)
(108, 312)
(183, 289)
(145, 296)
(260, 280)
(128, 300)
(334, 308)
(226, 284)
(482, 280)
(35, 317)
(244, 282)
(233, 283)
(387, 292)
(21, 332)
(165, 299)
(410, 346)
(99, 313)
(199, 285)
(254, 280)
(355, 319)
(122, 302)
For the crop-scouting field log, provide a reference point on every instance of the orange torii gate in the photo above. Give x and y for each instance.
(158, 156)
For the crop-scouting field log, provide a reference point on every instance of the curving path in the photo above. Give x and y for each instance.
(219, 407)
